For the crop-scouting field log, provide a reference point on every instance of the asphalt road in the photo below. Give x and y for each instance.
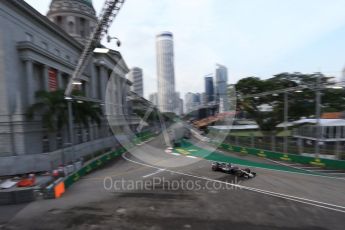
(151, 189)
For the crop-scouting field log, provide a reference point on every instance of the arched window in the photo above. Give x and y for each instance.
(82, 27)
(59, 20)
(71, 27)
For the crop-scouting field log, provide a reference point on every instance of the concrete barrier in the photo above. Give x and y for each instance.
(103, 159)
(17, 196)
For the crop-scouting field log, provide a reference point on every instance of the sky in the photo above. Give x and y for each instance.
(251, 37)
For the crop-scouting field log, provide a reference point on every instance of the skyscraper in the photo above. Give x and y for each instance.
(154, 98)
(221, 87)
(165, 72)
(189, 102)
(136, 77)
(209, 88)
(192, 102)
(178, 104)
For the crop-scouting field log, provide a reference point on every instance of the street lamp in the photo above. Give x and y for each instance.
(286, 111)
(118, 42)
(70, 123)
(318, 114)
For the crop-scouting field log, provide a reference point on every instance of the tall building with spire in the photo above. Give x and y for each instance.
(76, 17)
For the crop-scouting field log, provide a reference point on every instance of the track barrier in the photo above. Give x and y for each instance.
(320, 162)
(103, 159)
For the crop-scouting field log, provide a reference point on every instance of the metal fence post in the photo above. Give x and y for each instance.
(273, 142)
(286, 111)
(252, 140)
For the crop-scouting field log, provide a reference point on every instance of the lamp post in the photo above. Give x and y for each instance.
(286, 112)
(118, 42)
(318, 115)
(70, 126)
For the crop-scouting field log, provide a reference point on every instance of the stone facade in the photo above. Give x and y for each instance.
(76, 17)
(31, 48)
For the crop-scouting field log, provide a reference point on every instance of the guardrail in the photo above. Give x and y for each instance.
(101, 160)
(325, 163)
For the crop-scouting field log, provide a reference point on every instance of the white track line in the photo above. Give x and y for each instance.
(176, 154)
(193, 157)
(315, 203)
(154, 173)
(329, 170)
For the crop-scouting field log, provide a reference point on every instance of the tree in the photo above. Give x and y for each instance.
(300, 104)
(53, 109)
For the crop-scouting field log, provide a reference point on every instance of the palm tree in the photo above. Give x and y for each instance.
(53, 109)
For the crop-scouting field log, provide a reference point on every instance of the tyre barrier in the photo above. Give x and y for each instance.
(54, 190)
(17, 196)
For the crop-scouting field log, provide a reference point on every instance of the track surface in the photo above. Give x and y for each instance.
(272, 200)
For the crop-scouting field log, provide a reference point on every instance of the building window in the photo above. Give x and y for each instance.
(83, 87)
(87, 135)
(59, 141)
(65, 80)
(70, 27)
(29, 37)
(68, 58)
(59, 20)
(45, 144)
(80, 136)
(82, 27)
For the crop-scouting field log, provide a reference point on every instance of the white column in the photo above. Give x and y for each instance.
(93, 85)
(30, 84)
(118, 92)
(103, 81)
(46, 77)
(59, 79)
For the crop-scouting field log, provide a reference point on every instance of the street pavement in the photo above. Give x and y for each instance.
(151, 188)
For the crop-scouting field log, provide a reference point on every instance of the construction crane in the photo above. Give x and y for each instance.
(110, 10)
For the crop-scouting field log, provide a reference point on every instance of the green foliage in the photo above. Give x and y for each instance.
(300, 104)
(53, 109)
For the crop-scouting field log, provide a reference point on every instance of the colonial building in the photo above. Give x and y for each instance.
(41, 53)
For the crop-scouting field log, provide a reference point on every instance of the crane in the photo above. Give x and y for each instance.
(109, 12)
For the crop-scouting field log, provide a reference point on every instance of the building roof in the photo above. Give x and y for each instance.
(88, 2)
(323, 122)
(235, 127)
(334, 115)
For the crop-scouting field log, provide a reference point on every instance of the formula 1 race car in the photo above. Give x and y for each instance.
(234, 170)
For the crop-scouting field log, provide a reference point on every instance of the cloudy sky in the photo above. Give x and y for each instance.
(251, 37)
